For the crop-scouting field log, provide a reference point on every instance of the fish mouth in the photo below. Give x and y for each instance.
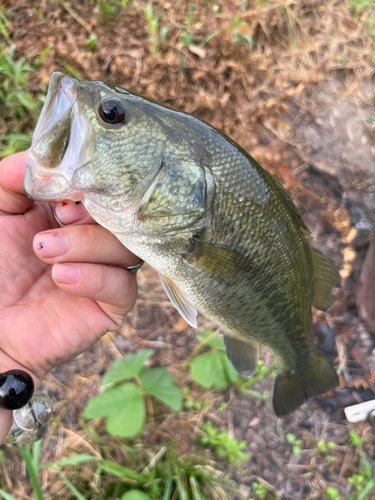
(63, 141)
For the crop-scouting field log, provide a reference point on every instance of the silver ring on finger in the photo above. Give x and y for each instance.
(134, 269)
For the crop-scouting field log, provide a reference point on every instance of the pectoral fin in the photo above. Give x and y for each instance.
(243, 355)
(325, 277)
(218, 261)
(180, 302)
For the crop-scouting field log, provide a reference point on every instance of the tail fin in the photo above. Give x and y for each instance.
(292, 390)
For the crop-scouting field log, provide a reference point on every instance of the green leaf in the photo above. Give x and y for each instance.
(6, 495)
(36, 453)
(128, 367)
(209, 370)
(181, 490)
(135, 495)
(231, 373)
(72, 70)
(195, 488)
(354, 437)
(42, 56)
(366, 489)
(123, 405)
(123, 472)
(159, 383)
(211, 338)
(168, 489)
(33, 471)
(71, 486)
(73, 460)
(217, 343)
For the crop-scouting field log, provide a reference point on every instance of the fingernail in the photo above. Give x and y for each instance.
(69, 212)
(51, 244)
(65, 274)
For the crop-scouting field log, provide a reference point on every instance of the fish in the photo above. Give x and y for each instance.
(222, 232)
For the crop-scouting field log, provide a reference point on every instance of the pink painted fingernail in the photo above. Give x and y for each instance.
(65, 274)
(69, 212)
(52, 244)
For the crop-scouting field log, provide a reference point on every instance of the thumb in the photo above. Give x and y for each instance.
(12, 171)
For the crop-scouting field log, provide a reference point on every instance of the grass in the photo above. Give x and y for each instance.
(164, 475)
(19, 107)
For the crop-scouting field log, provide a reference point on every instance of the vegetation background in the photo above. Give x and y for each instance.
(292, 81)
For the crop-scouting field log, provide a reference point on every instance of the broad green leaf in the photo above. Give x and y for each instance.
(123, 405)
(208, 370)
(217, 343)
(128, 367)
(159, 383)
(232, 375)
(211, 338)
(135, 495)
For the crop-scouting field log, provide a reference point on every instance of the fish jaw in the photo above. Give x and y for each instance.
(63, 141)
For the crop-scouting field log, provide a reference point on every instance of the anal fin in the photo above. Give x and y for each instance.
(242, 354)
(180, 302)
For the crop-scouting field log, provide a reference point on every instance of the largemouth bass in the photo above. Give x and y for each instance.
(222, 232)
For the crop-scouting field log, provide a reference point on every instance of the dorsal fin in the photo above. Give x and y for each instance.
(325, 274)
(285, 197)
(325, 277)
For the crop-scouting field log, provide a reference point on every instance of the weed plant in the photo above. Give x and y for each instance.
(141, 471)
(19, 108)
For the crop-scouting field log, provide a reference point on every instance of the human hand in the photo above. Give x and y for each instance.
(61, 288)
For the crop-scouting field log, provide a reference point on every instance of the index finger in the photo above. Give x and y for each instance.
(12, 171)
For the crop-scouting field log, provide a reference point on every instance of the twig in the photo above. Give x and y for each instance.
(74, 14)
(156, 458)
(192, 60)
(109, 341)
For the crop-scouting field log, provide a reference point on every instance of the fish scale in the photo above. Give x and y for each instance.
(222, 233)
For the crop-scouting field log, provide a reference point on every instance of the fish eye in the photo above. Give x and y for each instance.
(112, 111)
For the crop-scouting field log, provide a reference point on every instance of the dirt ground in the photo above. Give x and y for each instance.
(296, 101)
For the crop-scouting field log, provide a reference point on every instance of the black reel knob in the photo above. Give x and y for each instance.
(16, 389)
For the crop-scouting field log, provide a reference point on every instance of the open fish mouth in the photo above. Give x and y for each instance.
(63, 141)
